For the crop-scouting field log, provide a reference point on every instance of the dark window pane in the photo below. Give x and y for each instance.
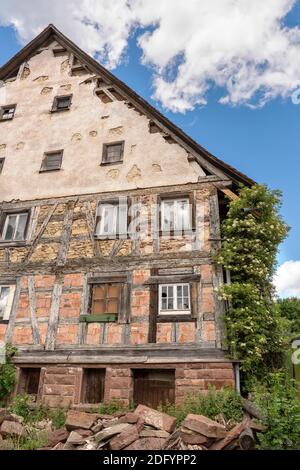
(10, 228)
(4, 291)
(20, 230)
(63, 103)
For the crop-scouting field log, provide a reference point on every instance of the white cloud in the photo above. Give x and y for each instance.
(242, 46)
(287, 279)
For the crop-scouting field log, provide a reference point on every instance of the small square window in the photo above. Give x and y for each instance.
(52, 161)
(62, 103)
(6, 300)
(174, 299)
(15, 226)
(176, 215)
(113, 153)
(1, 164)
(7, 112)
(105, 299)
(111, 219)
(29, 381)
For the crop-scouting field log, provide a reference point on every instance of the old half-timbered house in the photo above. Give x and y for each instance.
(109, 217)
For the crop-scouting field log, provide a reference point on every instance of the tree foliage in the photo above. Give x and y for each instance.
(7, 376)
(290, 310)
(252, 231)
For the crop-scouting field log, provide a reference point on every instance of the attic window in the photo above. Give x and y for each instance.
(7, 112)
(115, 94)
(113, 153)
(1, 164)
(52, 161)
(62, 103)
(59, 51)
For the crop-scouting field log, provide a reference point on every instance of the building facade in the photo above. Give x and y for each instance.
(109, 218)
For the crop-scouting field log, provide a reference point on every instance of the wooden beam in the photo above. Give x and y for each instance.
(230, 194)
(54, 315)
(32, 309)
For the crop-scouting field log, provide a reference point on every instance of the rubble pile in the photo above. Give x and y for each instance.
(143, 429)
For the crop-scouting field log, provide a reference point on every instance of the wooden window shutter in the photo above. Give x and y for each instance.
(124, 314)
(194, 299)
(153, 313)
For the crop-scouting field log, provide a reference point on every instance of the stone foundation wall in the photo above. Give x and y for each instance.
(61, 385)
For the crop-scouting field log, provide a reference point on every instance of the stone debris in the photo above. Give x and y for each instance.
(143, 429)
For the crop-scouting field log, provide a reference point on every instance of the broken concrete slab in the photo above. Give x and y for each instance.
(205, 426)
(112, 431)
(80, 420)
(146, 443)
(154, 433)
(12, 429)
(75, 439)
(57, 436)
(156, 419)
(124, 439)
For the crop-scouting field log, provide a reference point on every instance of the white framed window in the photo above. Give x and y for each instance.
(176, 214)
(6, 299)
(111, 219)
(14, 228)
(174, 299)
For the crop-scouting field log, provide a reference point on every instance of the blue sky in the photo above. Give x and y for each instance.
(262, 142)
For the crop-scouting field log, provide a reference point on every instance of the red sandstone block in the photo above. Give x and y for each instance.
(120, 372)
(57, 401)
(156, 419)
(120, 382)
(191, 382)
(222, 374)
(61, 390)
(61, 370)
(119, 394)
(59, 379)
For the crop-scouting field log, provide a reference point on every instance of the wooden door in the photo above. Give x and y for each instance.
(154, 387)
(93, 385)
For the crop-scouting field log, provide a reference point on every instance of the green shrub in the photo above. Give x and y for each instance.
(225, 401)
(7, 376)
(111, 407)
(279, 401)
(34, 440)
(23, 405)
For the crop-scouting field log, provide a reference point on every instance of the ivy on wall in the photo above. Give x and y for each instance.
(252, 233)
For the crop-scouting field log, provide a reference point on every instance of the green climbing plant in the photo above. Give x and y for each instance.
(252, 233)
(7, 375)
